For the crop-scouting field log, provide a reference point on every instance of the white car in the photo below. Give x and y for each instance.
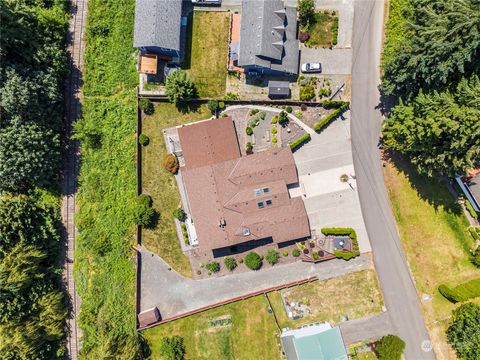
(312, 68)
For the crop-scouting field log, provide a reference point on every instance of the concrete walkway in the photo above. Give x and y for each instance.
(175, 295)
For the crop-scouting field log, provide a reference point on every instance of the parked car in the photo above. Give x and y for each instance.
(312, 68)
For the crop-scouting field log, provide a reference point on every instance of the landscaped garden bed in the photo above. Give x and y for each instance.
(321, 30)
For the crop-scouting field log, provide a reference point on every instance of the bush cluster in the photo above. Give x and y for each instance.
(390, 347)
(344, 232)
(307, 92)
(463, 292)
(144, 214)
(296, 253)
(470, 209)
(302, 139)
(289, 109)
(179, 214)
(283, 118)
(249, 130)
(330, 117)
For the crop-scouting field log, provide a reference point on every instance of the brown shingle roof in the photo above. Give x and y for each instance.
(209, 142)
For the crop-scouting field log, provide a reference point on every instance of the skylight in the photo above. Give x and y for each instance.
(260, 204)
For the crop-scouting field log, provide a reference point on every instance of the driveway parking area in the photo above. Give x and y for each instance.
(334, 62)
(329, 201)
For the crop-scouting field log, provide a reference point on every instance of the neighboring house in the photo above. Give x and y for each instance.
(320, 342)
(470, 186)
(238, 203)
(268, 38)
(159, 26)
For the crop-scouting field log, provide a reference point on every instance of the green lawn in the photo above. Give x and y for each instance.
(356, 295)
(433, 233)
(251, 335)
(207, 51)
(161, 185)
(323, 29)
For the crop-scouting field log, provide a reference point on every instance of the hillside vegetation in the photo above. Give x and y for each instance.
(105, 274)
(32, 66)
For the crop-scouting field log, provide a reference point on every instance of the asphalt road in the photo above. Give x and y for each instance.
(398, 289)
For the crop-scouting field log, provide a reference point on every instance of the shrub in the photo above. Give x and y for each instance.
(303, 36)
(296, 253)
(253, 112)
(213, 266)
(390, 347)
(306, 11)
(231, 96)
(240, 261)
(249, 146)
(299, 114)
(170, 163)
(172, 348)
(179, 214)
(178, 88)
(274, 140)
(303, 107)
(147, 106)
(307, 93)
(253, 261)
(289, 109)
(213, 106)
(221, 105)
(272, 257)
(144, 214)
(330, 117)
(339, 231)
(476, 258)
(295, 144)
(335, 30)
(333, 104)
(283, 118)
(285, 252)
(143, 139)
(470, 209)
(274, 130)
(230, 263)
(249, 130)
(274, 120)
(463, 292)
(324, 92)
(316, 256)
(184, 226)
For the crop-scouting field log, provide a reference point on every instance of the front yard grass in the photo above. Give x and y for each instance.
(161, 185)
(433, 233)
(207, 51)
(355, 295)
(252, 333)
(323, 29)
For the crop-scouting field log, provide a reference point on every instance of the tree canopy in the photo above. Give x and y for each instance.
(179, 88)
(439, 45)
(464, 332)
(439, 131)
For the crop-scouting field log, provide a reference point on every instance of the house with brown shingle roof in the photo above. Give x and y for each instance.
(236, 200)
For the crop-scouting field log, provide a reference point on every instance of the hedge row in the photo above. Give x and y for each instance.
(299, 141)
(475, 232)
(346, 232)
(330, 117)
(462, 292)
(333, 104)
(470, 209)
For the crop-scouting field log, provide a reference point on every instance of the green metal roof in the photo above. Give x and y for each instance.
(326, 345)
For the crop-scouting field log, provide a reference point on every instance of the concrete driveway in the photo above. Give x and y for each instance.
(334, 62)
(329, 201)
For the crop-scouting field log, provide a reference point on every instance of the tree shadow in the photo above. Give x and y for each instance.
(434, 190)
(186, 107)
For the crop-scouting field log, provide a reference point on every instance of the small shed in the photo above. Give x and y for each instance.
(148, 63)
(278, 89)
(148, 317)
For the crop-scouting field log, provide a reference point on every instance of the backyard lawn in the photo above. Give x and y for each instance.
(207, 51)
(433, 233)
(249, 333)
(323, 29)
(161, 185)
(356, 295)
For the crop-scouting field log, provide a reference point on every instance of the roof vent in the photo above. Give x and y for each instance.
(246, 231)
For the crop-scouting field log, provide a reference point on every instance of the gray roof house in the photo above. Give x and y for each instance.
(158, 26)
(268, 37)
